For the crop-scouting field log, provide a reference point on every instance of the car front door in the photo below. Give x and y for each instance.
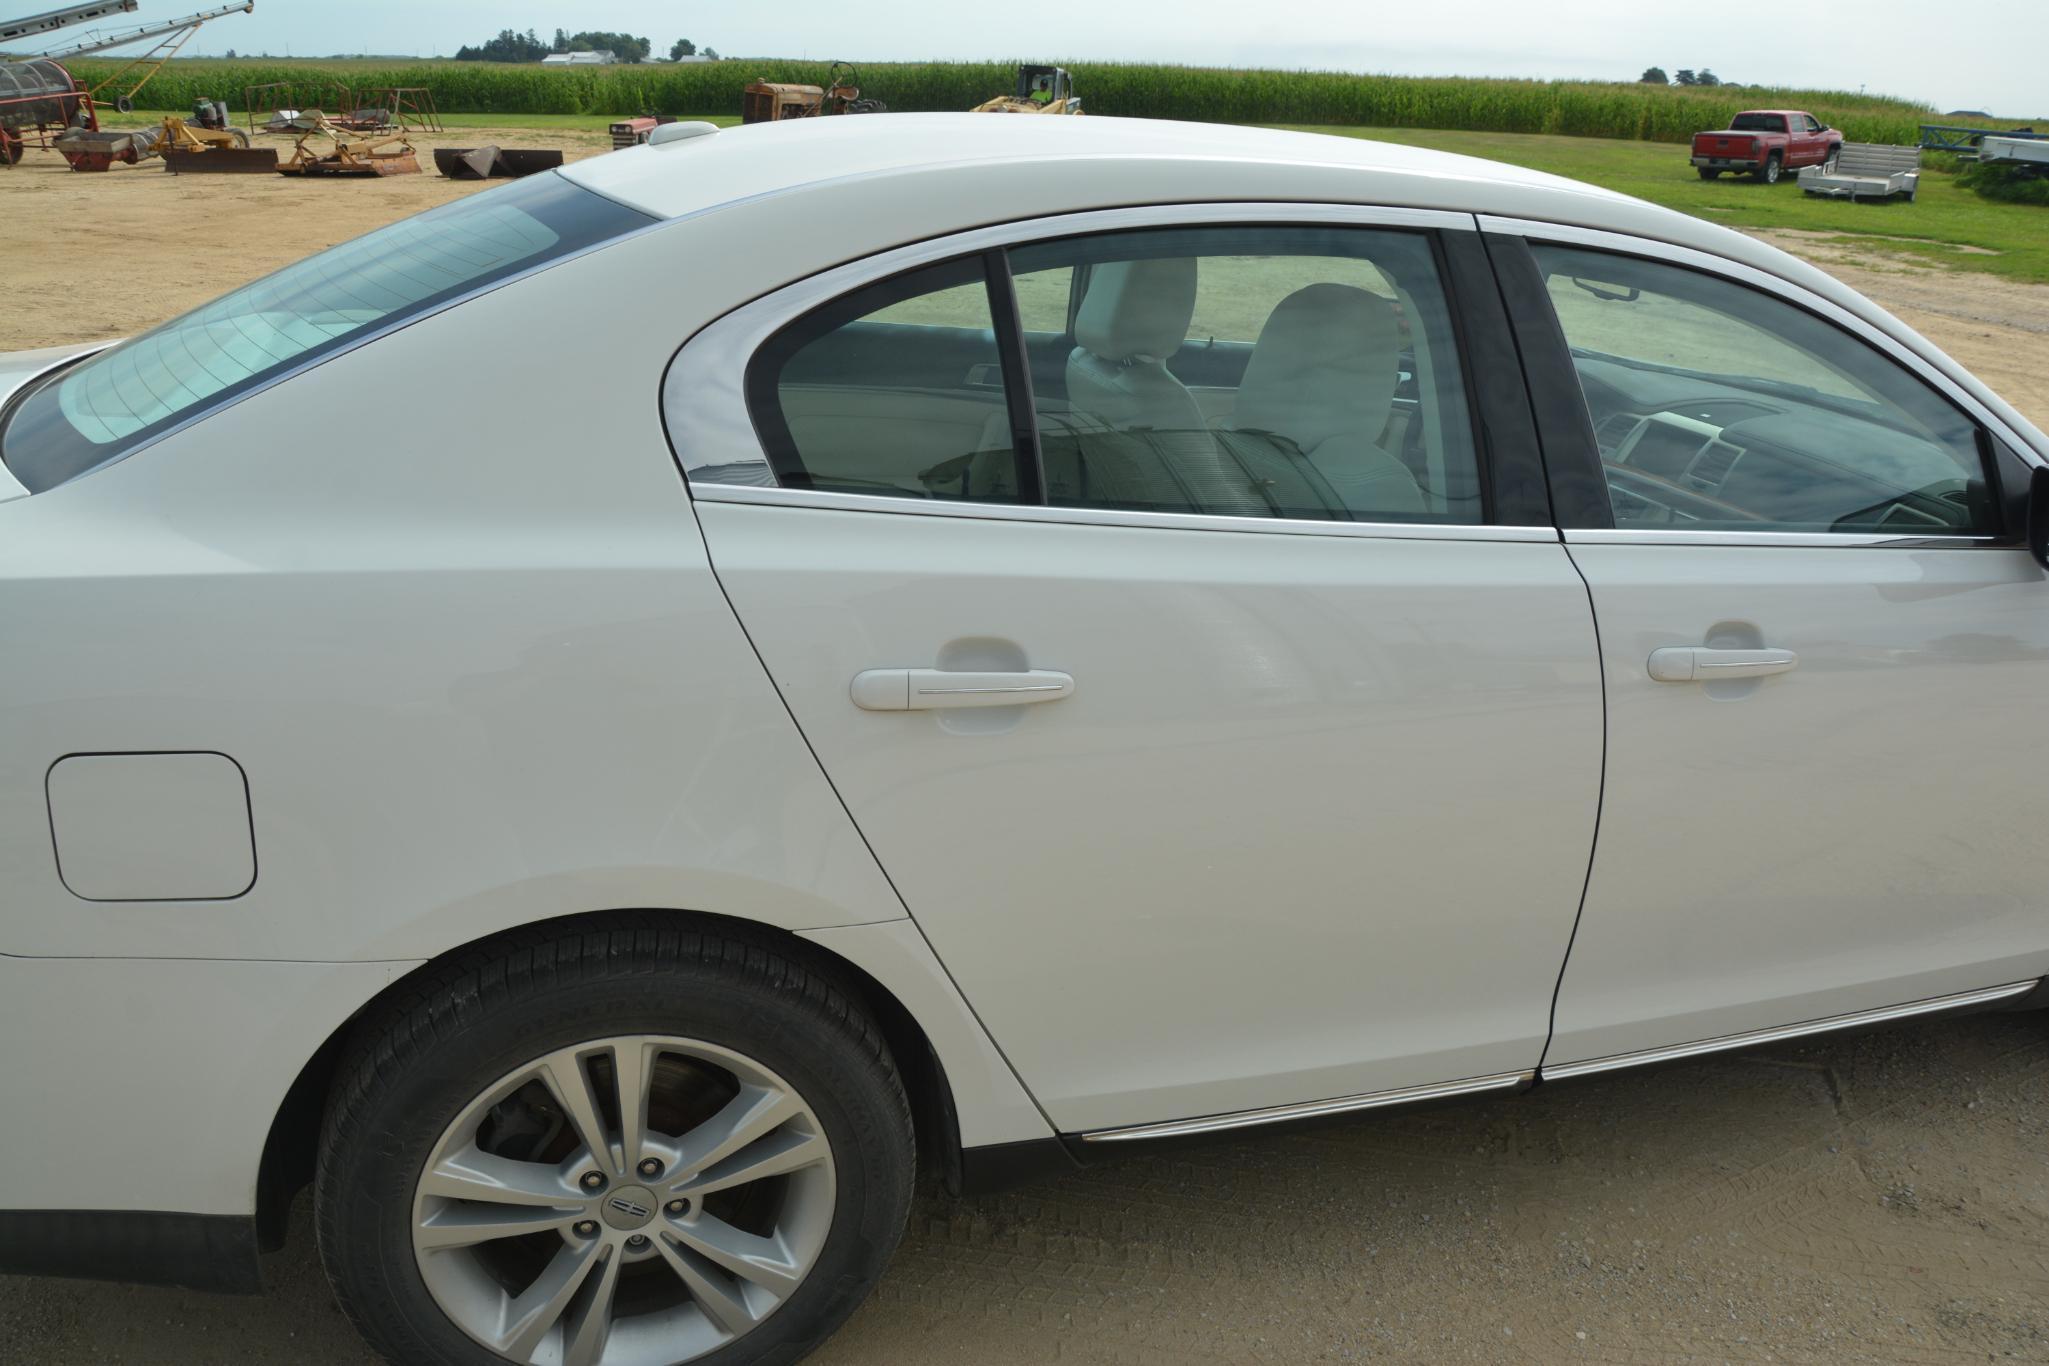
(1220, 702)
(1825, 651)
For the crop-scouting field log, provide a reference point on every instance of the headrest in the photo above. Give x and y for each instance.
(1326, 364)
(1137, 310)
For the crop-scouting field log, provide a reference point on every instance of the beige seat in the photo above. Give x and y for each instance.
(1323, 376)
(1133, 318)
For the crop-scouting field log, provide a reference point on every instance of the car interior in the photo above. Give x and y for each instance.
(1716, 407)
(1283, 383)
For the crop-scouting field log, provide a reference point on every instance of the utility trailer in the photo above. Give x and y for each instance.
(1866, 170)
(2029, 150)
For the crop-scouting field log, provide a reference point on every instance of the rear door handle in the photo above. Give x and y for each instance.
(1697, 664)
(927, 689)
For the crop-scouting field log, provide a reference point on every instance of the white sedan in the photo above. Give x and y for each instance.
(605, 724)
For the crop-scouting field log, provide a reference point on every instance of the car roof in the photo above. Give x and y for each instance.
(863, 183)
(691, 174)
(958, 171)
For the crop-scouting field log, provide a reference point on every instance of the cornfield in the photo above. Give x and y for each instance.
(1588, 109)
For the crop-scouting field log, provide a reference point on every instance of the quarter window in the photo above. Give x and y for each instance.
(895, 390)
(1719, 407)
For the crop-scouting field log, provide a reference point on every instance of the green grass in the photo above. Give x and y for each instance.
(1140, 90)
(1944, 217)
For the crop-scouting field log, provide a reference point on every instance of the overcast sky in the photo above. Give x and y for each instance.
(1991, 55)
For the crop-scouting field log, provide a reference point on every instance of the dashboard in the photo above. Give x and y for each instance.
(1686, 450)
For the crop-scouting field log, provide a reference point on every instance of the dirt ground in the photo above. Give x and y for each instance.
(1877, 1199)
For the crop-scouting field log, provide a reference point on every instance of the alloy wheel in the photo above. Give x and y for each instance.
(632, 1201)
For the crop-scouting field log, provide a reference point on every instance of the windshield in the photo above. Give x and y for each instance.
(1758, 123)
(113, 402)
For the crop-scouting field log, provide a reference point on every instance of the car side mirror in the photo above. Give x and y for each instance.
(2038, 516)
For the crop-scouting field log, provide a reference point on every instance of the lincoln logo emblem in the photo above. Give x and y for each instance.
(627, 1207)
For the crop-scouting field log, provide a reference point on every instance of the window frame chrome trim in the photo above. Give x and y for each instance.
(704, 401)
(1800, 296)
(820, 500)
(1828, 1024)
(1315, 1109)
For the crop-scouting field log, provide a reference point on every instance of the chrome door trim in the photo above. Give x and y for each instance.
(1170, 521)
(1933, 1005)
(704, 404)
(1812, 539)
(1783, 288)
(1342, 1105)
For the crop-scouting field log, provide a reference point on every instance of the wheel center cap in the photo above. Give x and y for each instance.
(628, 1207)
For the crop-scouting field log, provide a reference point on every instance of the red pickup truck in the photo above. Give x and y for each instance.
(1765, 142)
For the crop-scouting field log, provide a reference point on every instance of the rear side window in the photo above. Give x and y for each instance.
(121, 398)
(1253, 371)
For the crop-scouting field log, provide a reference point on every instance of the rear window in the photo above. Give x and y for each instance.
(106, 406)
(1758, 123)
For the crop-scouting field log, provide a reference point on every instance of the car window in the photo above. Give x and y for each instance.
(1300, 372)
(1044, 298)
(113, 402)
(1720, 407)
(1813, 124)
(895, 390)
(1758, 123)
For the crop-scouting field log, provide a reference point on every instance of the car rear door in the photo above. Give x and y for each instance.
(1825, 647)
(1213, 799)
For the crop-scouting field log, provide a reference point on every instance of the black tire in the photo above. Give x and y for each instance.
(1769, 174)
(1708, 173)
(1835, 154)
(459, 1025)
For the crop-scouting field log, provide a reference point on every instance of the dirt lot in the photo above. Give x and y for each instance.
(1880, 1199)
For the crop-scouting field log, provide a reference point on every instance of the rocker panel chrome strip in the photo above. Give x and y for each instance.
(1373, 1100)
(1615, 1062)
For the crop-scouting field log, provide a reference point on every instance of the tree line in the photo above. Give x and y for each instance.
(513, 46)
(1655, 75)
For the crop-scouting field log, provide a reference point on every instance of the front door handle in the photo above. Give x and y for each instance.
(1697, 664)
(926, 689)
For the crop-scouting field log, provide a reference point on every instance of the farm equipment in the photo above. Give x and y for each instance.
(41, 105)
(1040, 90)
(1866, 170)
(408, 108)
(774, 101)
(346, 155)
(95, 149)
(632, 132)
(207, 143)
(479, 163)
(2025, 149)
(204, 143)
(166, 39)
(39, 101)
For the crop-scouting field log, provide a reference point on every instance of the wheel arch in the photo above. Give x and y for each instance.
(289, 1147)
